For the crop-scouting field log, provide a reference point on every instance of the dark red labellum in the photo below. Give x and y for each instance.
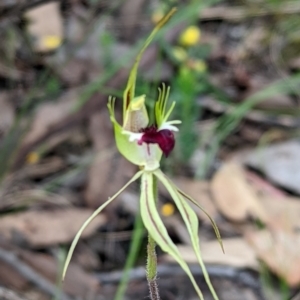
(164, 138)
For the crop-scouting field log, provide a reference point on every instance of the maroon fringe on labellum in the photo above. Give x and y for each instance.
(164, 138)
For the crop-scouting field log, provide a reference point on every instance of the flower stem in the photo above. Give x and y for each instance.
(152, 258)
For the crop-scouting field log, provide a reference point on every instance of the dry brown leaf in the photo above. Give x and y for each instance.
(280, 251)
(11, 277)
(279, 162)
(107, 174)
(49, 114)
(46, 26)
(234, 197)
(101, 131)
(284, 213)
(199, 190)
(45, 228)
(264, 187)
(238, 253)
(77, 282)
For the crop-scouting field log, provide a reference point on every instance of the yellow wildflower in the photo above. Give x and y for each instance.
(167, 209)
(51, 42)
(32, 158)
(190, 36)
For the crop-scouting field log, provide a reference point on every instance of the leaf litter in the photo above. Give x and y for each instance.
(258, 215)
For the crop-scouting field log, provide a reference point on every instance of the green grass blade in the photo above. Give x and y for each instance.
(135, 245)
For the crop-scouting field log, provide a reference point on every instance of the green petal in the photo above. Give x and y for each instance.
(156, 228)
(161, 103)
(128, 95)
(191, 221)
(213, 223)
(90, 219)
(161, 116)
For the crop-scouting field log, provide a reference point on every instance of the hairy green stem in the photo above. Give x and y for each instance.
(152, 258)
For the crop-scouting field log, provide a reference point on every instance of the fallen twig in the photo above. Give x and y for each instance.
(6, 294)
(296, 295)
(43, 284)
(165, 270)
(240, 13)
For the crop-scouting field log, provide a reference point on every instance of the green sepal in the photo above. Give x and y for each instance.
(213, 223)
(157, 229)
(129, 91)
(136, 116)
(90, 219)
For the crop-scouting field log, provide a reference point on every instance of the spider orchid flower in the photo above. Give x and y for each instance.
(143, 144)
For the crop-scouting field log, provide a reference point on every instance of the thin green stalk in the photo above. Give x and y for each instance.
(152, 258)
(135, 246)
